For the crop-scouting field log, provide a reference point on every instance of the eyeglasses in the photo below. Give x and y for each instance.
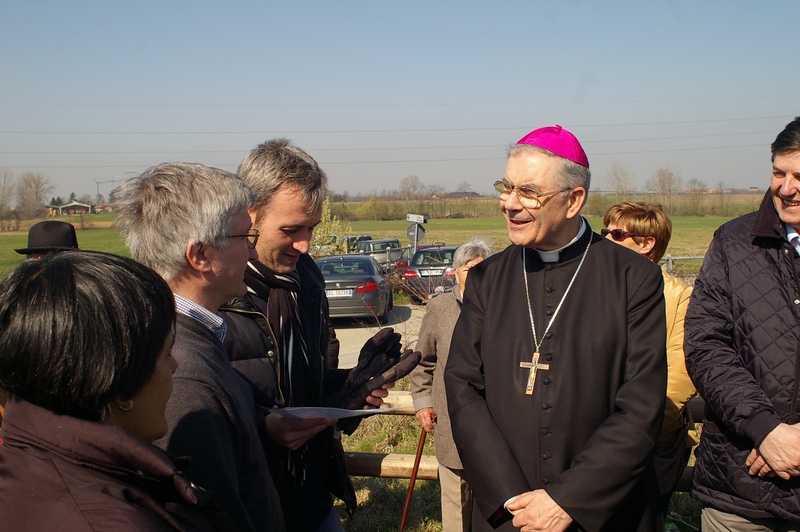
(618, 234)
(251, 237)
(528, 198)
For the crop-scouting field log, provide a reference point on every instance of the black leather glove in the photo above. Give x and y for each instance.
(380, 362)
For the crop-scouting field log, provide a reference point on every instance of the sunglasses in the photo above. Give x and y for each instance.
(618, 234)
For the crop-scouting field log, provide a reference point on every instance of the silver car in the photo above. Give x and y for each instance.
(357, 287)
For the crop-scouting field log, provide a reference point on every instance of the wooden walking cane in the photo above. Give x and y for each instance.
(414, 471)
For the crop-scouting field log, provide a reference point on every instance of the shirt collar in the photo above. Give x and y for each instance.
(212, 320)
(793, 237)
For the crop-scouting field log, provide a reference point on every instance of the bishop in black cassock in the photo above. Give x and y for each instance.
(586, 432)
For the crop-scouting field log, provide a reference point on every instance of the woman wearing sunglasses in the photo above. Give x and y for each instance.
(646, 229)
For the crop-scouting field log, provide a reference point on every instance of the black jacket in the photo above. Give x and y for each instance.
(253, 352)
(742, 348)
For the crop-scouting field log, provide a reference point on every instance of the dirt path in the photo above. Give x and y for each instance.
(352, 333)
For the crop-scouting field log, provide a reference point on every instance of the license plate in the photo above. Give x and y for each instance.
(338, 293)
(429, 273)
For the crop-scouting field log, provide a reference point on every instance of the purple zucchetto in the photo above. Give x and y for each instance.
(559, 141)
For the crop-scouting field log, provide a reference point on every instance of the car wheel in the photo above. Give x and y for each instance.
(383, 318)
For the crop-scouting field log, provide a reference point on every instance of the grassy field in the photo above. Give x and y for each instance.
(381, 500)
(691, 234)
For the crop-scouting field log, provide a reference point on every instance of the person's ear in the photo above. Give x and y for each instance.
(197, 256)
(648, 244)
(577, 197)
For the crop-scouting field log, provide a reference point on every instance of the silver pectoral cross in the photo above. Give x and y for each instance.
(534, 366)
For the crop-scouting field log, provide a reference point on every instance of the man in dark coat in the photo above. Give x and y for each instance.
(742, 348)
(281, 341)
(557, 371)
(190, 223)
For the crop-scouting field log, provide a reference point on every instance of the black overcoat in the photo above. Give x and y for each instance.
(587, 433)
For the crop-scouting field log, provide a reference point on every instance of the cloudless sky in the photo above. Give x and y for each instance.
(376, 91)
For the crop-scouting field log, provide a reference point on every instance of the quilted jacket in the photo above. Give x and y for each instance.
(742, 349)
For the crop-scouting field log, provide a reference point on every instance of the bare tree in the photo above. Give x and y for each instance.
(6, 193)
(86, 198)
(619, 179)
(665, 183)
(464, 187)
(32, 191)
(724, 202)
(697, 187)
(412, 188)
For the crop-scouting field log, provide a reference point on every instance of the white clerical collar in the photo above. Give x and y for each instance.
(552, 256)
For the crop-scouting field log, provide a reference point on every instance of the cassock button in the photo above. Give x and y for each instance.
(548, 335)
(545, 406)
(548, 356)
(545, 432)
(547, 380)
(549, 289)
(270, 353)
(549, 312)
(549, 267)
(545, 481)
(545, 456)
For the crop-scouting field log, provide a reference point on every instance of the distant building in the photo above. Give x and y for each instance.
(752, 190)
(73, 207)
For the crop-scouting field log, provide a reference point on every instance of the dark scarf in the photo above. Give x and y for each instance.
(280, 292)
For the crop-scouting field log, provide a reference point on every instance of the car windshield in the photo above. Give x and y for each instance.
(344, 267)
(434, 257)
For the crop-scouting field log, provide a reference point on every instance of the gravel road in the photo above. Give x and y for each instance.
(352, 333)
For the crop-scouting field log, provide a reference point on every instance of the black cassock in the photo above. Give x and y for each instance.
(587, 432)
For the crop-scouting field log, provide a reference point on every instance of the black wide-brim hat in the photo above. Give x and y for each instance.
(51, 235)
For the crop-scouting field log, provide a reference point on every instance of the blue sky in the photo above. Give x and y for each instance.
(377, 91)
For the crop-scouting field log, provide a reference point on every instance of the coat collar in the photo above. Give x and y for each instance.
(105, 448)
(768, 223)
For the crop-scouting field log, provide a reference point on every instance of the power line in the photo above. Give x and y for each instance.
(391, 104)
(459, 159)
(388, 148)
(373, 131)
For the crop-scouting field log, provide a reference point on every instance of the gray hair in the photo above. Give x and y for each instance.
(570, 174)
(278, 163)
(172, 204)
(473, 249)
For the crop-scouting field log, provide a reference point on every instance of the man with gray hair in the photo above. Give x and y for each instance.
(556, 378)
(190, 223)
(281, 340)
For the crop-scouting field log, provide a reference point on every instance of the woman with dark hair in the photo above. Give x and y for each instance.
(85, 341)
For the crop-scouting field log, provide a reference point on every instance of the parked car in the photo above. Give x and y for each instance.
(383, 250)
(401, 264)
(431, 270)
(322, 245)
(352, 242)
(357, 287)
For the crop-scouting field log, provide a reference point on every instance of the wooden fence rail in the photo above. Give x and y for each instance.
(400, 465)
